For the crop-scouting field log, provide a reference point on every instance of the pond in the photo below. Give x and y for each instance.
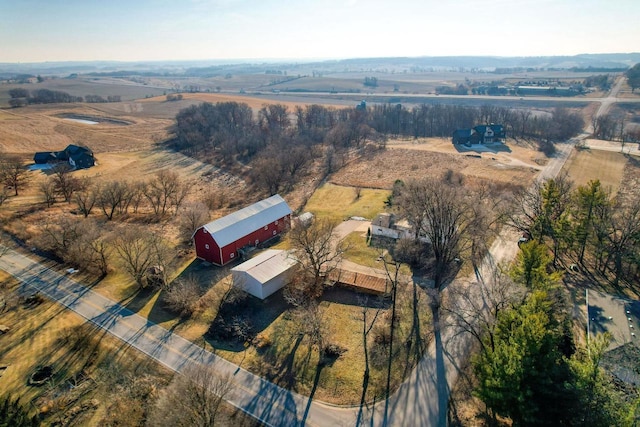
(83, 121)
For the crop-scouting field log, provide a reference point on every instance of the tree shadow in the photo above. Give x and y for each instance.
(597, 321)
(257, 313)
(316, 380)
(139, 298)
(442, 385)
(339, 295)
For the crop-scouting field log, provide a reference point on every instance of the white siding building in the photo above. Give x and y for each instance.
(264, 274)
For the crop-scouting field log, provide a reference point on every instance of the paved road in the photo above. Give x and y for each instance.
(347, 95)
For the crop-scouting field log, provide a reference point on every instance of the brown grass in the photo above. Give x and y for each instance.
(49, 335)
(253, 102)
(32, 129)
(586, 165)
(382, 168)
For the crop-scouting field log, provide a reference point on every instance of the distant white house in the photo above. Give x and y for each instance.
(264, 274)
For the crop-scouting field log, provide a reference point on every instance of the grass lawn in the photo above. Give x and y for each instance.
(363, 254)
(290, 361)
(339, 203)
(99, 365)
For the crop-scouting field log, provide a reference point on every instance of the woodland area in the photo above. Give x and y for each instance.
(279, 146)
(530, 367)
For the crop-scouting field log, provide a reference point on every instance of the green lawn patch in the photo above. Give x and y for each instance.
(339, 203)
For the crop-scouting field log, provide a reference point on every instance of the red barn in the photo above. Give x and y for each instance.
(218, 242)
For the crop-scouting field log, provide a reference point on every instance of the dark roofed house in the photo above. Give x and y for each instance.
(44, 157)
(77, 156)
(481, 134)
(465, 136)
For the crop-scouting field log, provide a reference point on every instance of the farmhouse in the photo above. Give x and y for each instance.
(264, 274)
(220, 241)
(77, 156)
(386, 225)
(482, 134)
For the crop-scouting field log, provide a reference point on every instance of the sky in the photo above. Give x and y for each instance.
(145, 30)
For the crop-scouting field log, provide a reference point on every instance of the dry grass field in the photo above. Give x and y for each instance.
(41, 128)
(586, 165)
(413, 161)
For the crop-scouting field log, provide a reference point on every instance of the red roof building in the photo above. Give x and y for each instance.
(219, 242)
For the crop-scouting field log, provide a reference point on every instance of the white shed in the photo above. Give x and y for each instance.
(264, 274)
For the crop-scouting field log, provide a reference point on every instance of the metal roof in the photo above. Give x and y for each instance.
(234, 226)
(267, 265)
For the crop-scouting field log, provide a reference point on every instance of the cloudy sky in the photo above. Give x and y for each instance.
(65, 30)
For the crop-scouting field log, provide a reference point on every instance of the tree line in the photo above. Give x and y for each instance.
(21, 97)
(586, 225)
(611, 128)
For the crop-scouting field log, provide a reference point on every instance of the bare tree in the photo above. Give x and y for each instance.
(524, 209)
(112, 195)
(60, 236)
(182, 296)
(86, 198)
(312, 325)
(192, 399)
(445, 217)
(193, 216)
(137, 195)
(13, 173)
(162, 190)
(180, 194)
(474, 307)
(65, 183)
(92, 247)
(139, 249)
(623, 235)
(48, 192)
(268, 172)
(318, 251)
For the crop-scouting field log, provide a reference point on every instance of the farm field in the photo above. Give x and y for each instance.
(586, 165)
(125, 88)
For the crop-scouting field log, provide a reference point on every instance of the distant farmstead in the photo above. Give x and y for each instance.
(222, 240)
(77, 156)
(482, 134)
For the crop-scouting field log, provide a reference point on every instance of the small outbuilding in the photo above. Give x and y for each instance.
(264, 274)
(221, 241)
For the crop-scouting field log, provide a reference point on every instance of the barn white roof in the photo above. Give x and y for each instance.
(267, 265)
(234, 226)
